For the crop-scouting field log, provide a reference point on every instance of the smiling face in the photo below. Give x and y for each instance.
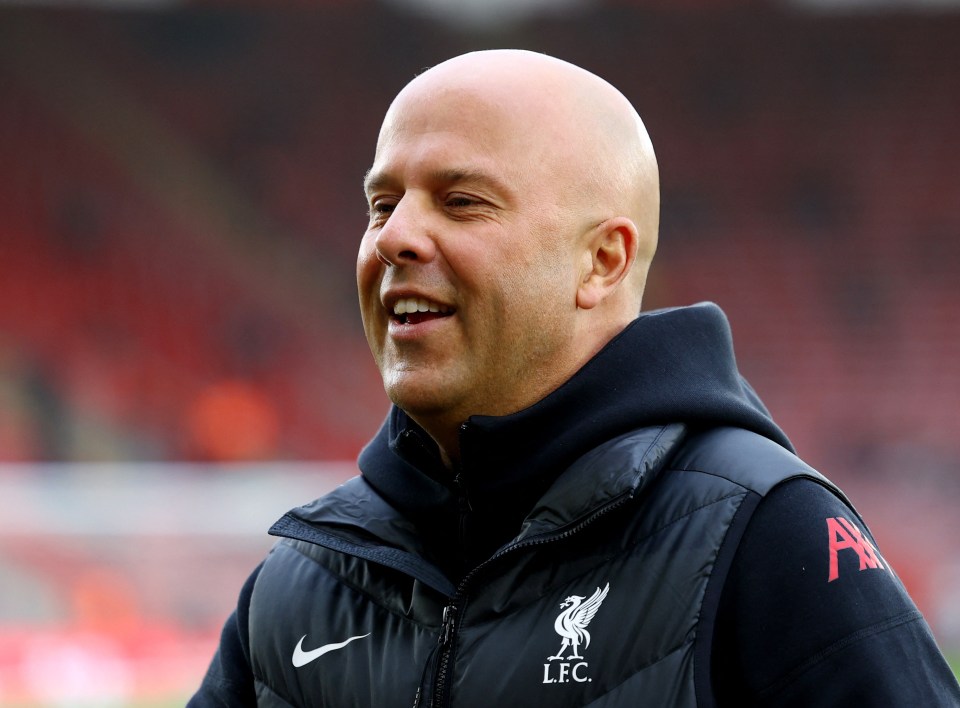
(463, 232)
(470, 268)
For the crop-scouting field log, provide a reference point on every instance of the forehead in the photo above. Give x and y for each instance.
(453, 132)
(440, 100)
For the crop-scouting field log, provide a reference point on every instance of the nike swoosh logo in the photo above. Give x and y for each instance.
(302, 658)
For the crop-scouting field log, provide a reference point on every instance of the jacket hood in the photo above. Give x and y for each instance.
(667, 366)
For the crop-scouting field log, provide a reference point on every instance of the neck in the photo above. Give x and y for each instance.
(445, 433)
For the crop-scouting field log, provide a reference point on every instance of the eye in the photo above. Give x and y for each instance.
(379, 209)
(464, 206)
(460, 201)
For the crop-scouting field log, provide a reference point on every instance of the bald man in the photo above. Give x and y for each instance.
(569, 503)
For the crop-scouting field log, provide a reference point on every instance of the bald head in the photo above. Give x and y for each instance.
(576, 128)
(513, 215)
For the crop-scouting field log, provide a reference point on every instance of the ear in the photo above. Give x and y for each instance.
(609, 256)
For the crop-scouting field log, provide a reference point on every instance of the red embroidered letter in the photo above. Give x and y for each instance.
(842, 534)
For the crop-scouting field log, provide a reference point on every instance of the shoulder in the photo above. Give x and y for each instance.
(744, 457)
(351, 502)
(812, 613)
(811, 540)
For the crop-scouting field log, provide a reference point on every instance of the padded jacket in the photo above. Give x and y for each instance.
(601, 600)
(588, 551)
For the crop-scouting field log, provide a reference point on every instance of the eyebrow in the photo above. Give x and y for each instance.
(372, 181)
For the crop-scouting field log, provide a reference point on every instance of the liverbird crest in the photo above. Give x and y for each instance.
(571, 623)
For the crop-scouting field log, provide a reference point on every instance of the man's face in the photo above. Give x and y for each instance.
(467, 272)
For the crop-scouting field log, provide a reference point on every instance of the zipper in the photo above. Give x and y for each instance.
(439, 658)
(447, 629)
(448, 624)
(449, 619)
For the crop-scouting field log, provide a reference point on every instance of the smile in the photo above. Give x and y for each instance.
(413, 310)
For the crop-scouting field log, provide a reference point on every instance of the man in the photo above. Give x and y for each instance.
(568, 504)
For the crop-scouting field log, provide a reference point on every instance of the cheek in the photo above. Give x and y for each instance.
(368, 270)
(369, 274)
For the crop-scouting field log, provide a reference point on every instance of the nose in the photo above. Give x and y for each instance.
(406, 236)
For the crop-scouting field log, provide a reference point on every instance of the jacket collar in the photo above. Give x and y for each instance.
(617, 471)
(354, 521)
(668, 366)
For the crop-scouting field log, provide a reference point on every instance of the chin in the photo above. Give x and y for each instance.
(419, 399)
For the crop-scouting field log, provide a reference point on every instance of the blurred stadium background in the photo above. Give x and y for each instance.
(180, 351)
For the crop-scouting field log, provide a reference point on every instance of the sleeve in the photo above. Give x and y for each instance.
(812, 614)
(229, 679)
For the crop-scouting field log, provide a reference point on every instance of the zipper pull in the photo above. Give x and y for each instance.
(436, 658)
(447, 624)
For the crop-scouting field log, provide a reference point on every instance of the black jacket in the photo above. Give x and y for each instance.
(615, 544)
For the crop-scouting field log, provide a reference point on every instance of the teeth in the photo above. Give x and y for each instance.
(417, 304)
